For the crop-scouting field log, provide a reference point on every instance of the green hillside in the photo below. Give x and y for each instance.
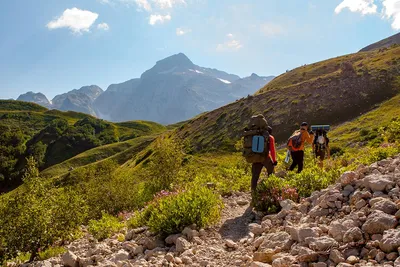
(328, 92)
(53, 136)
(119, 152)
(369, 128)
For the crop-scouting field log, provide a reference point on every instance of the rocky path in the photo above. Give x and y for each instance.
(354, 222)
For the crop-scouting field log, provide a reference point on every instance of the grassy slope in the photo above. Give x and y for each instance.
(322, 93)
(349, 132)
(118, 152)
(31, 118)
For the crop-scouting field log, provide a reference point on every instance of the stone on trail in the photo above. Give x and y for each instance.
(259, 264)
(182, 245)
(378, 221)
(264, 256)
(256, 229)
(280, 240)
(390, 241)
(230, 244)
(322, 243)
(386, 206)
(70, 259)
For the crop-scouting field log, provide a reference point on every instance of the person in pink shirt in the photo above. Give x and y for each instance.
(269, 163)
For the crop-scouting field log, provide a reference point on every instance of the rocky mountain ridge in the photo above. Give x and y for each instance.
(173, 90)
(79, 100)
(354, 222)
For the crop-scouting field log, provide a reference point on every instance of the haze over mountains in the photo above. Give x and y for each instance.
(175, 89)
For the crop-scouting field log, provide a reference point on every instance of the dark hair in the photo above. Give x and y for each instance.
(269, 129)
(304, 124)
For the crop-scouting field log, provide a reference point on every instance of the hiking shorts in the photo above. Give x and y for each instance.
(320, 154)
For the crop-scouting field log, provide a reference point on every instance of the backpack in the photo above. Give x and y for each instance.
(294, 141)
(256, 140)
(320, 142)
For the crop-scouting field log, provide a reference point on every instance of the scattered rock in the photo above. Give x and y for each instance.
(259, 264)
(321, 243)
(182, 245)
(230, 244)
(390, 240)
(386, 206)
(280, 240)
(264, 256)
(256, 229)
(378, 221)
(336, 256)
(242, 202)
(171, 239)
(353, 235)
(70, 259)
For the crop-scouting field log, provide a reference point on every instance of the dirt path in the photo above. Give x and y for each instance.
(234, 226)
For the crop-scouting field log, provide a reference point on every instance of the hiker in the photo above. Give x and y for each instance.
(321, 146)
(272, 152)
(296, 146)
(259, 148)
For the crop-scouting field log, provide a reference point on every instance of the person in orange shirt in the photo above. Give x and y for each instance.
(269, 163)
(297, 153)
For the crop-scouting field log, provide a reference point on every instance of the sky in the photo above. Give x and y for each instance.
(55, 46)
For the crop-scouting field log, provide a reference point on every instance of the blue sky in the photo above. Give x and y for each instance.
(55, 46)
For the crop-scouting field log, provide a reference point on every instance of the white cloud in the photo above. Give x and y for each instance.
(75, 19)
(182, 31)
(271, 29)
(391, 10)
(103, 26)
(362, 6)
(143, 4)
(230, 45)
(163, 4)
(156, 18)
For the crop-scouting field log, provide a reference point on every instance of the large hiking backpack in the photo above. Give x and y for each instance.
(320, 142)
(294, 141)
(256, 140)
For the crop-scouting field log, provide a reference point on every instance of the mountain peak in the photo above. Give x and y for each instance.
(177, 60)
(175, 63)
(37, 98)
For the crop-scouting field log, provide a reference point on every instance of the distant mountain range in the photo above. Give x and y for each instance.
(80, 100)
(175, 89)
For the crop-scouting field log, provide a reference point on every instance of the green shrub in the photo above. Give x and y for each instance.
(163, 165)
(170, 212)
(270, 192)
(336, 151)
(393, 131)
(105, 227)
(37, 216)
(51, 252)
(311, 179)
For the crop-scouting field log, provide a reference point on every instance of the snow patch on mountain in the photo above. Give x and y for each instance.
(224, 81)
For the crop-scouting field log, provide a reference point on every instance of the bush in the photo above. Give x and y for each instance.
(312, 179)
(34, 218)
(393, 131)
(270, 192)
(51, 252)
(163, 165)
(105, 227)
(171, 212)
